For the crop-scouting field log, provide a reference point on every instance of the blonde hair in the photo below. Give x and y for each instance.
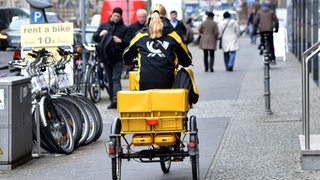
(155, 24)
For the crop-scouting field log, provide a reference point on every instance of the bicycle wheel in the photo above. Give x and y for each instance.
(91, 117)
(94, 82)
(45, 142)
(96, 112)
(72, 116)
(84, 119)
(55, 125)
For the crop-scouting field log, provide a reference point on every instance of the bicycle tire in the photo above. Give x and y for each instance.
(84, 119)
(93, 128)
(96, 114)
(55, 127)
(72, 117)
(94, 84)
(44, 140)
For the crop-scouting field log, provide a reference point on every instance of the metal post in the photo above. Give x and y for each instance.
(266, 76)
(307, 56)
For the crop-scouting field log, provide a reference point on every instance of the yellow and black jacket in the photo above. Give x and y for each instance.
(156, 68)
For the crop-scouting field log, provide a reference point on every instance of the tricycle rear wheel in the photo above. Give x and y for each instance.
(116, 161)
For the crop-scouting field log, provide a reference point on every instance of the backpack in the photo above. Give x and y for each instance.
(185, 79)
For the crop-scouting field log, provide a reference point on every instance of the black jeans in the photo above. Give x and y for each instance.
(269, 38)
(205, 58)
(114, 71)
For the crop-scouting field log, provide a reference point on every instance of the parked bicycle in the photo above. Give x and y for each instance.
(97, 75)
(67, 119)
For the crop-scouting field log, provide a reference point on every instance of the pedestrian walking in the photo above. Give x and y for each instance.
(253, 36)
(112, 38)
(178, 25)
(139, 24)
(229, 32)
(266, 22)
(159, 50)
(208, 42)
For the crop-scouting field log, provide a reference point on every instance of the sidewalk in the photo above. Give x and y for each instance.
(260, 146)
(255, 145)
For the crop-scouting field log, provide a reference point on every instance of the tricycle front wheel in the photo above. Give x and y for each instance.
(165, 163)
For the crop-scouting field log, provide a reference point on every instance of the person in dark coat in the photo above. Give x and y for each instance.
(178, 26)
(112, 38)
(267, 22)
(139, 24)
(253, 36)
(208, 42)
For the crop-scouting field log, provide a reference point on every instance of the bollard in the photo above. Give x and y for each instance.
(267, 93)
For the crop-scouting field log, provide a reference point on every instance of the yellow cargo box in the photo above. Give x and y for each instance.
(133, 81)
(133, 101)
(169, 100)
(170, 121)
(132, 122)
(142, 140)
(165, 139)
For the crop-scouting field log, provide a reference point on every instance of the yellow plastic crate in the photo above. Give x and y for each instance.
(169, 121)
(168, 106)
(134, 122)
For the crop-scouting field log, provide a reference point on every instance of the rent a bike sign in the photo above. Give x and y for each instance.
(49, 36)
(43, 35)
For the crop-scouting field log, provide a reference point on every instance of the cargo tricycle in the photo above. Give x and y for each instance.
(154, 127)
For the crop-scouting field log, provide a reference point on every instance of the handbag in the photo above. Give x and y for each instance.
(220, 43)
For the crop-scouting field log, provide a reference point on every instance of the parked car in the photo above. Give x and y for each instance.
(7, 14)
(11, 36)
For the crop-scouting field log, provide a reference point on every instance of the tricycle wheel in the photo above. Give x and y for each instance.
(194, 148)
(165, 163)
(116, 161)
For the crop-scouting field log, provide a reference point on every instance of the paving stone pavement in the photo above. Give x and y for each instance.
(254, 146)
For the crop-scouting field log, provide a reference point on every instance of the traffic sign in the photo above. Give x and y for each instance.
(36, 16)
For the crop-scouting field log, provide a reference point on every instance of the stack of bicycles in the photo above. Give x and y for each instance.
(66, 118)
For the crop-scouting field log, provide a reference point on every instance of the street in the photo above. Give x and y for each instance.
(91, 161)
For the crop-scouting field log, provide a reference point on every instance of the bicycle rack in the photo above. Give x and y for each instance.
(310, 144)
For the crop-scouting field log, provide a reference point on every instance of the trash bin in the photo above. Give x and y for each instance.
(15, 121)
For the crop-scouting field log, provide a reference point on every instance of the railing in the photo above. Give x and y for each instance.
(307, 56)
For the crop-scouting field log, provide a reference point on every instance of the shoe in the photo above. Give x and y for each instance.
(230, 69)
(206, 70)
(112, 106)
(273, 62)
(211, 70)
